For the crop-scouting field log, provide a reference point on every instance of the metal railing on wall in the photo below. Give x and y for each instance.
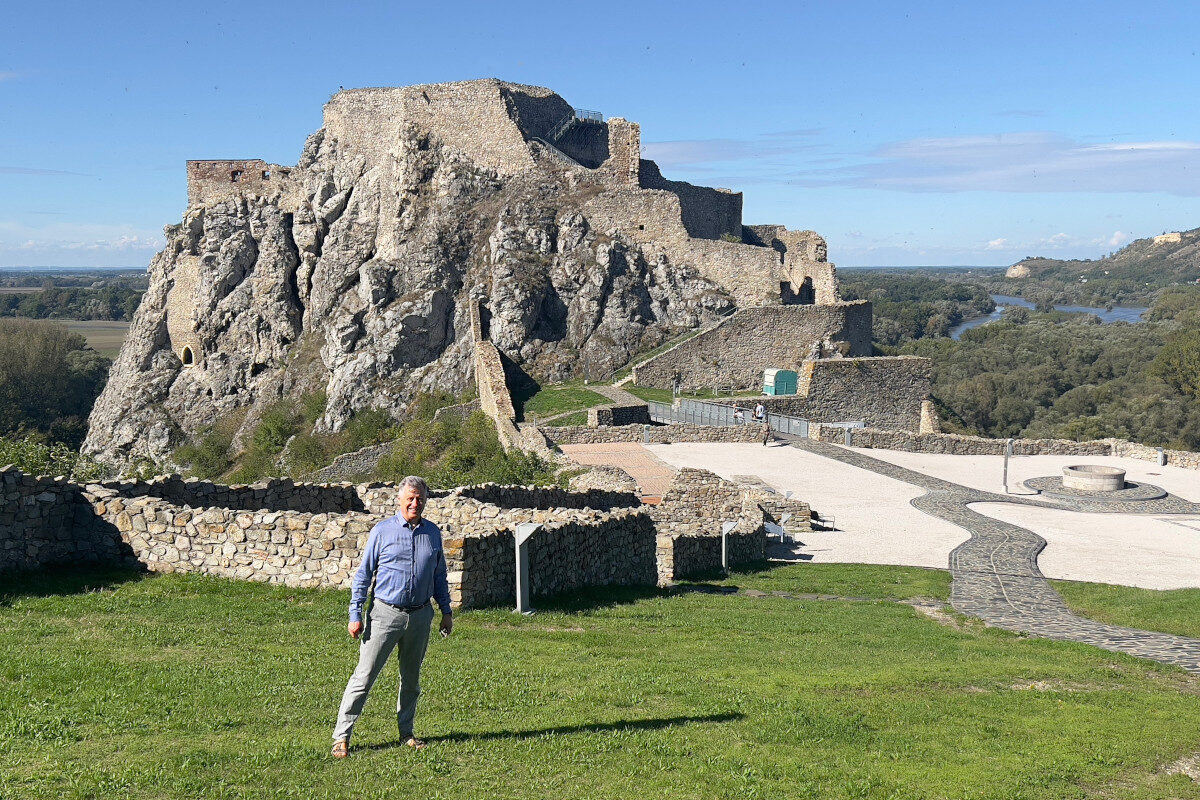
(698, 412)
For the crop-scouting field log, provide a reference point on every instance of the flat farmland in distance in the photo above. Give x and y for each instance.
(102, 335)
(19, 289)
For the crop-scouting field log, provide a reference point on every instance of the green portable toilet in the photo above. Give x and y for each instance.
(779, 381)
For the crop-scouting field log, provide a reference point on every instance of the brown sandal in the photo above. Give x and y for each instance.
(341, 749)
(414, 743)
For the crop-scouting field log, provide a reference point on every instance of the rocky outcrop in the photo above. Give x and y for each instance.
(354, 271)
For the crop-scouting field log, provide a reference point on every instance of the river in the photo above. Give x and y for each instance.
(1118, 314)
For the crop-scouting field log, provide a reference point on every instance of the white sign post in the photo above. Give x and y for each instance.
(725, 529)
(523, 532)
(1008, 451)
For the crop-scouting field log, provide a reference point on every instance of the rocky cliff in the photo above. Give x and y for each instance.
(353, 271)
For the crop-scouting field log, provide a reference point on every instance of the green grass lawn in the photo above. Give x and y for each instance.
(574, 418)
(1176, 611)
(557, 399)
(184, 686)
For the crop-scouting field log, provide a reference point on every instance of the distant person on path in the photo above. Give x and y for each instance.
(404, 563)
(738, 417)
(766, 430)
(760, 412)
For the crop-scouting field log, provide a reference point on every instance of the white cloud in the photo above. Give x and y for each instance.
(997, 244)
(72, 244)
(8, 75)
(1020, 162)
(1118, 238)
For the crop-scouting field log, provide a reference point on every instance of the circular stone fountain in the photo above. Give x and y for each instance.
(1093, 478)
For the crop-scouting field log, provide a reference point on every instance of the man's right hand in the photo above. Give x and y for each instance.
(355, 628)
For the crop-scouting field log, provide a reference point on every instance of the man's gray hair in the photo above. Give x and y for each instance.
(417, 483)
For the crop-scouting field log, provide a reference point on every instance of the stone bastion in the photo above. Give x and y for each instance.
(312, 535)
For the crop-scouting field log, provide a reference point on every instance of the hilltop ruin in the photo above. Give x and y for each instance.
(356, 270)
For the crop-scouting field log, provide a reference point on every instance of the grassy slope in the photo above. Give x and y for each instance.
(555, 400)
(184, 686)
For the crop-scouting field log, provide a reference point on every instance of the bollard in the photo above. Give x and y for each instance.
(521, 538)
(1162, 457)
(1008, 451)
(645, 434)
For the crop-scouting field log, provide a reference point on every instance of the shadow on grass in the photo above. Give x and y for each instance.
(593, 598)
(567, 730)
(65, 580)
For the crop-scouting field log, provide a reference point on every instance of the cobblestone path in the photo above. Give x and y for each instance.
(995, 575)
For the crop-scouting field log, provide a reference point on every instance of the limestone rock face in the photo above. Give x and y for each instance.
(1017, 271)
(353, 273)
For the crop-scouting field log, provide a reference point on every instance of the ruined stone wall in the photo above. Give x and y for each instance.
(737, 351)
(210, 182)
(182, 301)
(882, 391)
(706, 213)
(494, 397)
(689, 521)
(625, 152)
(654, 220)
(657, 434)
(351, 466)
(469, 117)
(956, 444)
(617, 414)
(548, 497)
(46, 521)
(811, 277)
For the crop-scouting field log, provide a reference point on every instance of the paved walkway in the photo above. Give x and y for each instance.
(650, 474)
(995, 574)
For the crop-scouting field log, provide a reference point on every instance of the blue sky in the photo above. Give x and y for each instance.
(940, 133)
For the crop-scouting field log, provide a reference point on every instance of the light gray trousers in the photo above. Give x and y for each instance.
(386, 629)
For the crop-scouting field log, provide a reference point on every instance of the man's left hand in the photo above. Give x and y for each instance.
(447, 624)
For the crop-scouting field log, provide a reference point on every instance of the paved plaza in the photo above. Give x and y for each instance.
(953, 512)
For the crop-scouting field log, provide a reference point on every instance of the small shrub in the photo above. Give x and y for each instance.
(34, 457)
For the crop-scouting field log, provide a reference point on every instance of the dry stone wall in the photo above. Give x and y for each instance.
(956, 444)
(654, 434)
(591, 538)
(755, 339)
(618, 414)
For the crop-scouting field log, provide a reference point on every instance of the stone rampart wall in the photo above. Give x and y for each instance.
(706, 213)
(470, 117)
(756, 339)
(883, 392)
(656, 434)
(215, 181)
(653, 219)
(352, 466)
(615, 414)
(956, 444)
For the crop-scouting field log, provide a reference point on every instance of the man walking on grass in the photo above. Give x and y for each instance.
(404, 563)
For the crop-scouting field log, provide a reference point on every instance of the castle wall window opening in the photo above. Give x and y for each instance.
(235, 176)
(186, 357)
(266, 174)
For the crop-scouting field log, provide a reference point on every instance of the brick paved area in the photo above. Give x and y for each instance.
(651, 475)
(995, 572)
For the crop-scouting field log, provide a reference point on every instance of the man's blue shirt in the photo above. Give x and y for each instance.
(407, 563)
